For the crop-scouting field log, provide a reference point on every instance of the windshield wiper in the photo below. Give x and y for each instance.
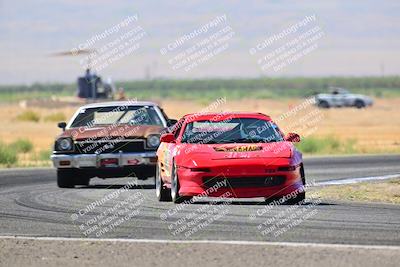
(250, 140)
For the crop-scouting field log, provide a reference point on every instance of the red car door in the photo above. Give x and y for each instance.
(170, 151)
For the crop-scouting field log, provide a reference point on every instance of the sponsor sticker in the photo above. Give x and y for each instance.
(245, 148)
(110, 162)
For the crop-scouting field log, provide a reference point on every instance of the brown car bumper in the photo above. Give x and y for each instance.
(104, 160)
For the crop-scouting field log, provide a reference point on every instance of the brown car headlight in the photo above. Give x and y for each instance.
(64, 144)
(153, 140)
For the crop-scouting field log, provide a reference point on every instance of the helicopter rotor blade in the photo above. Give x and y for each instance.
(73, 52)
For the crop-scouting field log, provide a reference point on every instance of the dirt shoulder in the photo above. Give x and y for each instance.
(383, 191)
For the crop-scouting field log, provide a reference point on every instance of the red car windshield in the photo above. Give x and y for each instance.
(236, 130)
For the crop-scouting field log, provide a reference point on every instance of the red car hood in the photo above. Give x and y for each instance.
(83, 133)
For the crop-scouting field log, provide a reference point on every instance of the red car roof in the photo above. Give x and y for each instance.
(220, 116)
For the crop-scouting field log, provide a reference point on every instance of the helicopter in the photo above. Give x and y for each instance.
(90, 86)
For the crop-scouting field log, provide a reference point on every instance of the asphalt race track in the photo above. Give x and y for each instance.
(32, 205)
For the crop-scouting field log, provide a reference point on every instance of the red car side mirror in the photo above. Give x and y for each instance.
(167, 138)
(292, 137)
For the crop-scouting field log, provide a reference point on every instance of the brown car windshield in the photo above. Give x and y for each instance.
(132, 115)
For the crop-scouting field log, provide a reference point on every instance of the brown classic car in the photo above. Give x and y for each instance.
(112, 139)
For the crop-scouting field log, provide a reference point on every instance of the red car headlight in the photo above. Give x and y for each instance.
(288, 168)
(200, 169)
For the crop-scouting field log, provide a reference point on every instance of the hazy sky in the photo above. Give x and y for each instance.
(359, 37)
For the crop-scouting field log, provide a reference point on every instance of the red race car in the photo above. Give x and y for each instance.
(241, 155)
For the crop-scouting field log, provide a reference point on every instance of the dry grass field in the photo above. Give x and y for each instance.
(375, 129)
(383, 191)
(371, 130)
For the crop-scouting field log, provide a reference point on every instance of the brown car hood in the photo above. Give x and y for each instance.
(125, 130)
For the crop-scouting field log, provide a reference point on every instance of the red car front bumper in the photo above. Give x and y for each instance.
(242, 178)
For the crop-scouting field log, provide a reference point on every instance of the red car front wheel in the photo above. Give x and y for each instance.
(176, 198)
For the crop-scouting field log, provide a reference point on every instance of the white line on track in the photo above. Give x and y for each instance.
(356, 180)
(221, 242)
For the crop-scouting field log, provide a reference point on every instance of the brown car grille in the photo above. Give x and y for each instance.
(110, 147)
